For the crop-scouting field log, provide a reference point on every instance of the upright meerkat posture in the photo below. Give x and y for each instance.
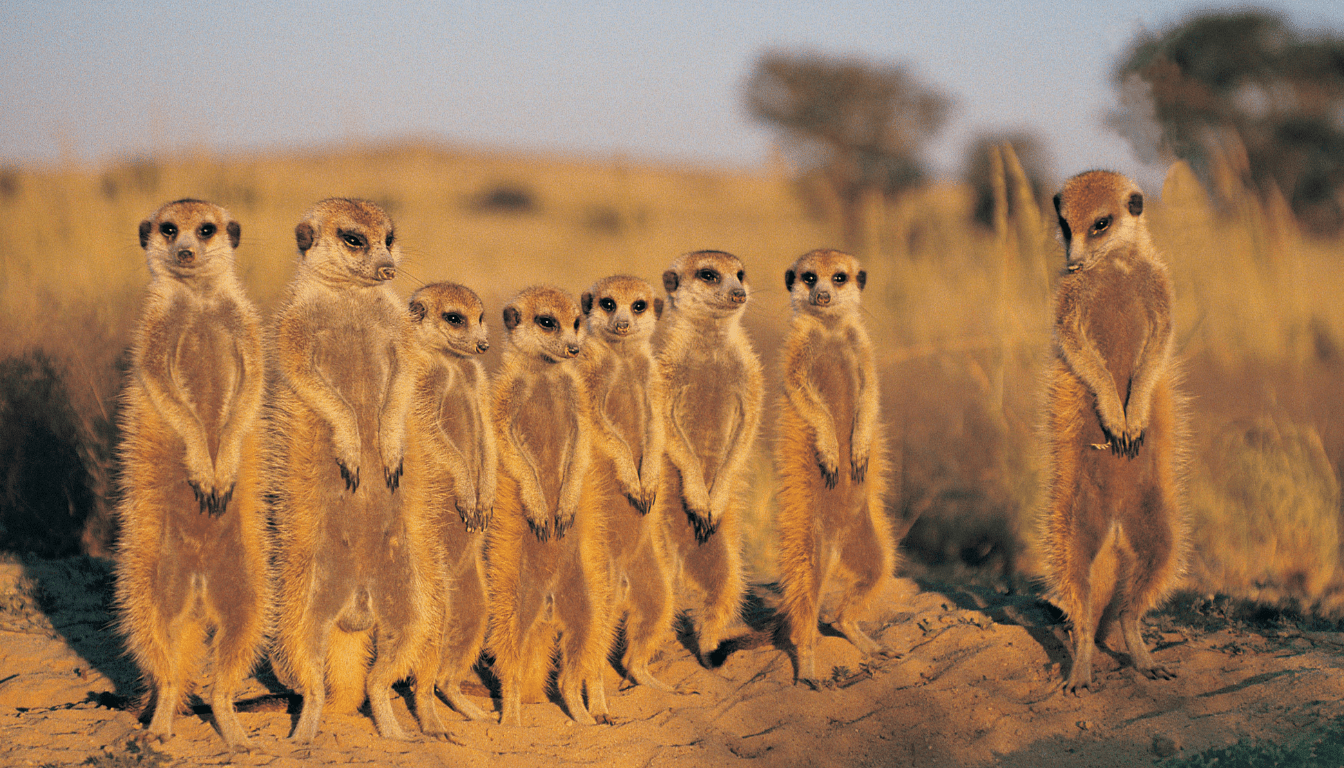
(193, 552)
(1114, 535)
(451, 465)
(546, 560)
(714, 386)
(627, 404)
(832, 465)
(354, 563)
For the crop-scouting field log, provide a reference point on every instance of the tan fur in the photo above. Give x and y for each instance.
(627, 403)
(355, 563)
(832, 520)
(714, 386)
(546, 561)
(451, 463)
(1113, 532)
(193, 557)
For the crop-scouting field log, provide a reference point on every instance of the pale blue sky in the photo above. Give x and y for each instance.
(92, 82)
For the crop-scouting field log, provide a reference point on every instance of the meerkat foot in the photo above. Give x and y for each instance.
(860, 639)
(640, 675)
(380, 703)
(461, 704)
(351, 477)
(226, 719)
(393, 476)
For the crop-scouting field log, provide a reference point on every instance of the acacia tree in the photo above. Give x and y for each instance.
(1244, 76)
(860, 126)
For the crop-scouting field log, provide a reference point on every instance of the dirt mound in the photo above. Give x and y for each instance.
(977, 681)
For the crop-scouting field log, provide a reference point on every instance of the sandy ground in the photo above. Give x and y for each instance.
(976, 682)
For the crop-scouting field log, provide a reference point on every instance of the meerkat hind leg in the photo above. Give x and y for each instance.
(161, 724)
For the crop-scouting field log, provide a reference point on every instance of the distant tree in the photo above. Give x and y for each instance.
(1030, 153)
(1218, 78)
(859, 125)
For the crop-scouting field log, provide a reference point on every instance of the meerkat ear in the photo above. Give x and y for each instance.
(670, 281)
(512, 317)
(586, 301)
(418, 311)
(235, 233)
(1058, 197)
(657, 309)
(305, 236)
(1136, 204)
(145, 227)
(861, 278)
(788, 280)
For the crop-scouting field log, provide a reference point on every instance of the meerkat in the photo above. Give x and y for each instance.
(546, 561)
(1114, 535)
(626, 396)
(451, 464)
(832, 521)
(712, 412)
(193, 553)
(354, 562)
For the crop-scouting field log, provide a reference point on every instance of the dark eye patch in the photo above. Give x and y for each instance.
(168, 230)
(206, 231)
(639, 306)
(607, 304)
(354, 239)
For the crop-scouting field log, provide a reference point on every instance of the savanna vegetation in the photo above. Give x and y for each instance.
(959, 312)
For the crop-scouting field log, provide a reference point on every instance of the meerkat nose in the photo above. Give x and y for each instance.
(482, 346)
(739, 296)
(386, 272)
(572, 350)
(622, 326)
(822, 298)
(185, 256)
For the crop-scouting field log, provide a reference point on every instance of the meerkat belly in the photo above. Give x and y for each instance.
(359, 374)
(625, 406)
(837, 385)
(461, 423)
(1117, 324)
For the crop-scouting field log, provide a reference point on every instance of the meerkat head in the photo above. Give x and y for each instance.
(709, 282)
(620, 308)
(349, 241)
(1098, 212)
(450, 319)
(544, 322)
(189, 237)
(825, 282)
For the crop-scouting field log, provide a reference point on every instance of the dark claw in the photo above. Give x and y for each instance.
(703, 527)
(638, 503)
(541, 530)
(219, 502)
(483, 517)
(858, 471)
(394, 478)
(830, 477)
(562, 527)
(201, 498)
(351, 478)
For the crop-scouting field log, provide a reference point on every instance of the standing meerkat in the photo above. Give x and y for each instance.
(714, 386)
(1114, 535)
(192, 557)
(451, 465)
(354, 563)
(546, 560)
(832, 465)
(627, 400)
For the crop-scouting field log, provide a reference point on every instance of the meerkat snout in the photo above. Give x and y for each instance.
(386, 272)
(482, 346)
(186, 257)
(739, 296)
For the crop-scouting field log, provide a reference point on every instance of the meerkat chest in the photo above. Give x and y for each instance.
(623, 398)
(207, 362)
(833, 370)
(352, 350)
(546, 421)
(453, 397)
(1117, 319)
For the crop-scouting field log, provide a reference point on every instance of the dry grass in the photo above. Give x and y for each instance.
(959, 313)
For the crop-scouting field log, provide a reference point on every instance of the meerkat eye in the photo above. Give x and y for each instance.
(639, 306)
(547, 322)
(607, 305)
(809, 279)
(452, 318)
(168, 230)
(1101, 225)
(839, 278)
(354, 240)
(206, 231)
(390, 238)
(708, 275)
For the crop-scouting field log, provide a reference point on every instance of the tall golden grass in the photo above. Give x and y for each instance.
(959, 313)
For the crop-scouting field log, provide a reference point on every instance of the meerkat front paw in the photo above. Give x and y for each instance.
(702, 523)
(858, 468)
(564, 520)
(393, 476)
